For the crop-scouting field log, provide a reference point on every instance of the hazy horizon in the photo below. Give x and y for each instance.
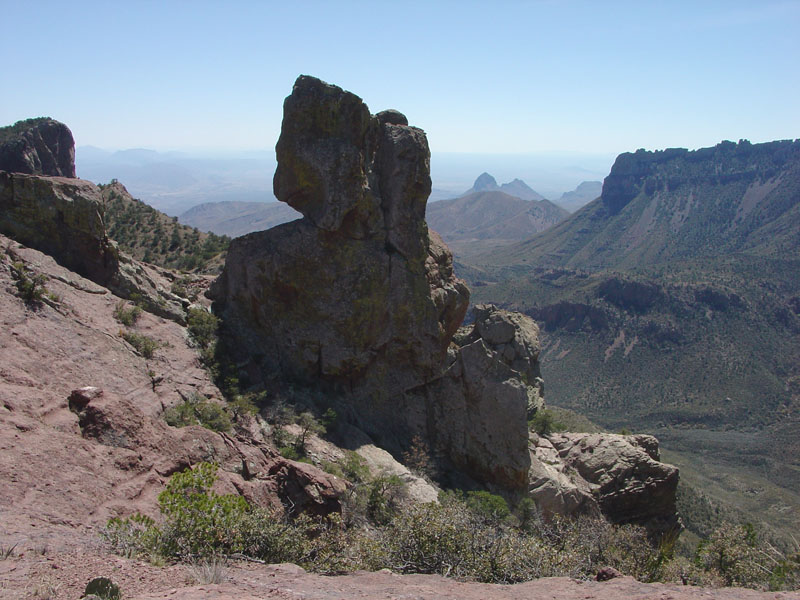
(510, 78)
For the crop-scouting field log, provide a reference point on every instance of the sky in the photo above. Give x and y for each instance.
(506, 77)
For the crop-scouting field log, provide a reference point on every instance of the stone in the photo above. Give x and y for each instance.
(38, 147)
(607, 574)
(357, 296)
(80, 398)
(63, 218)
(628, 484)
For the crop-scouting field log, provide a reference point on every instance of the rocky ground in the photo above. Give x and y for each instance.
(60, 485)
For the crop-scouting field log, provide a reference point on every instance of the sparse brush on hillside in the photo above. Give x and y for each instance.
(471, 536)
(149, 235)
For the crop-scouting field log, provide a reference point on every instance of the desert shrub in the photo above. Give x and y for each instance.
(144, 345)
(308, 425)
(491, 507)
(103, 588)
(418, 457)
(243, 405)
(198, 522)
(202, 327)
(30, 286)
(354, 467)
(383, 497)
(196, 410)
(289, 452)
(544, 422)
(735, 555)
(127, 315)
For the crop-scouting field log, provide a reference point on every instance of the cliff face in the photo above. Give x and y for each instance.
(63, 217)
(359, 297)
(38, 147)
(667, 170)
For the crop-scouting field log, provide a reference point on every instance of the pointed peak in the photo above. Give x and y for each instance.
(484, 183)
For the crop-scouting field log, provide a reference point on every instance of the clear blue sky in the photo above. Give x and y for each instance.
(500, 77)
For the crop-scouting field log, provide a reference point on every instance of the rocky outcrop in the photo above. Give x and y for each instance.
(63, 218)
(37, 147)
(648, 172)
(255, 470)
(619, 476)
(479, 408)
(359, 298)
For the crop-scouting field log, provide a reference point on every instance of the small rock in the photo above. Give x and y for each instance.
(80, 398)
(607, 573)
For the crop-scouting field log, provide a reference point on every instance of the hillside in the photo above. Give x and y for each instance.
(483, 220)
(580, 196)
(671, 304)
(149, 235)
(238, 218)
(657, 207)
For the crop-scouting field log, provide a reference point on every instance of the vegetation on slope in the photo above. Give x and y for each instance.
(12, 131)
(473, 536)
(151, 236)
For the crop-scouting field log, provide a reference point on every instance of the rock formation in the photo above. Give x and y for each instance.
(37, 147)
(63, 217)
(619, 476)
(359, 298)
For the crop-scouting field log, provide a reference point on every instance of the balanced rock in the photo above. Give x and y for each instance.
(360, 297)
(37, 147)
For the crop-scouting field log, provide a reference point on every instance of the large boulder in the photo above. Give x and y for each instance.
(621, 475)
(63, 217)
(37, 147)
(357, 295)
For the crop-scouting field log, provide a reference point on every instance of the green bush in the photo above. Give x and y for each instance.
(202, 327)
(127, 315)
(144, 345)
(735, 555)
(30, 287)
(196, 410)
(198, 522)
(544, 422)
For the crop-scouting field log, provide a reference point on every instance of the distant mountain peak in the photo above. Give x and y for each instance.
(485, 183)
(516, 188)
(520, 189)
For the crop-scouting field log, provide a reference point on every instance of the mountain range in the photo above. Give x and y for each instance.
(671, 304)
(485, 219)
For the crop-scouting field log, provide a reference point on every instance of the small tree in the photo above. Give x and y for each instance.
(308, 425)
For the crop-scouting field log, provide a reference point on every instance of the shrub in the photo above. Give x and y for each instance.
(196, 410)
(198, 522)
(734, 555)
(125, 315)
(491, 507)
(144, 345)
(30, 288)
(544, 422)
(202, 327)
(308, 425)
